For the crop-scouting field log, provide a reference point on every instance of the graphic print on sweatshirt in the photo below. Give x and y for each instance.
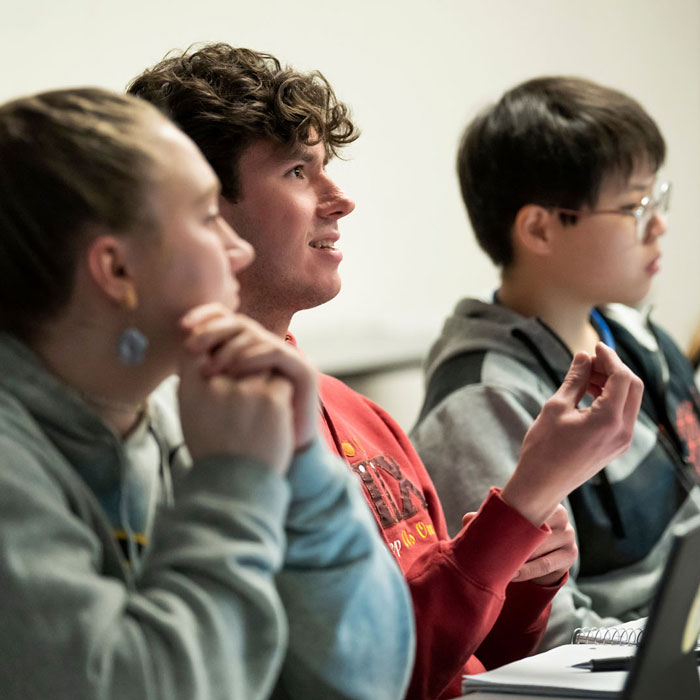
(398, 504)
(393, 493)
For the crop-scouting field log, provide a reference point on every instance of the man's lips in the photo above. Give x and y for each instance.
(325, 242)
(654, 266)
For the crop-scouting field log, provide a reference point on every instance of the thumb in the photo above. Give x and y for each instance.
(467, 518)
(190, 367)
(576, 380)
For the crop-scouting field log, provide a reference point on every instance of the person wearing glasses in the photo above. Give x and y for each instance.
(560, 180)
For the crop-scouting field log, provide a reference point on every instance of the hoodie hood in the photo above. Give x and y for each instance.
(75, 430)
(477, 325)
(116, 473)
(480, 326)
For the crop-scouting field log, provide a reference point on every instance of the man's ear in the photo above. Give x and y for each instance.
(107, 261)
(533, 230)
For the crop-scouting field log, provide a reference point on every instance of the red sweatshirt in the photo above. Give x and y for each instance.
(468, 616)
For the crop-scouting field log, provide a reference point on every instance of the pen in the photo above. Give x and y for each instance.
(614, 663)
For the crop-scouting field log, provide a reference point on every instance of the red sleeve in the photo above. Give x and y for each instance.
(459, 592)
(458, 586)
(526, 610)
(489, 617)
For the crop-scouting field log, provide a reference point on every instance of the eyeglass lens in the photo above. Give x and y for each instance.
(658, 203)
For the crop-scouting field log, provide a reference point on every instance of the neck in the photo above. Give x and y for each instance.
(121, 416)
(568, 317)
(274, 320)
(86, 359)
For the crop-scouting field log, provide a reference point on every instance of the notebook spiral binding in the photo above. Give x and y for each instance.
(607, 635)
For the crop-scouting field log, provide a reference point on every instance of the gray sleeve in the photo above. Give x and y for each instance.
(470, 442)
(203, 620)
(349, 611)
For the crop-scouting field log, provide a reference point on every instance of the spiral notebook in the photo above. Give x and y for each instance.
(663, 656)
(619, 635)
(626, 634)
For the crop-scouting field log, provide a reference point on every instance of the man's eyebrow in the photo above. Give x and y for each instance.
(300, 153)
(303, 153)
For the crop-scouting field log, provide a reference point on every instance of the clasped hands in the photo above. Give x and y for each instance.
(243, 390)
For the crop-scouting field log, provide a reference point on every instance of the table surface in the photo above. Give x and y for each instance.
(478, 695)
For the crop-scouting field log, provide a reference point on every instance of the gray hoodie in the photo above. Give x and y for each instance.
(248, 584)
(487, 377)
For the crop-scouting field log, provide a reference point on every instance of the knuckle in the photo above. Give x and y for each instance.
(562, 515)
(614, 424)
(553, 407)
(541, 567)
(626, 434)
(569, 556)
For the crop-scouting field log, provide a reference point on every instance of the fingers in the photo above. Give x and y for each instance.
(634, 402)
(190, 367)
(548, 568)
(245, 353)
(467, 518)
(288, 362)
(203, 313)
(576, 380)
(559, 519)
(555, 555)
(250, 416)
(596, 382)
(236, 346)
(561, 535)
(216, 332)
(615, 395)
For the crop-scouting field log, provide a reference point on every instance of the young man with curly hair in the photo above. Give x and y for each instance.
(482, 598)
(560, 179)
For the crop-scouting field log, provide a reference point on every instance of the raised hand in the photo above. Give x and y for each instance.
(236, 346)
(567, 445)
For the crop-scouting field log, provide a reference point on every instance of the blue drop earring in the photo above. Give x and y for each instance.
(132, 343)
(132, 346)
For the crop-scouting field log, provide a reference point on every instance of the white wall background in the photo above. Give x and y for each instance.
(414, 72)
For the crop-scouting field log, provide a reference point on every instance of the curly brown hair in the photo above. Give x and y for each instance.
(225, 98)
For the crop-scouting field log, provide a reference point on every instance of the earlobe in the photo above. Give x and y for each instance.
(107, 264)
(532, 229)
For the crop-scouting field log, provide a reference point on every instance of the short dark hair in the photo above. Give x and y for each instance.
(225, 98)
(68, 158)
(549, 141)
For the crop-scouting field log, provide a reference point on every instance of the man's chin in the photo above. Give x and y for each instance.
(317, 297)
(315, 302)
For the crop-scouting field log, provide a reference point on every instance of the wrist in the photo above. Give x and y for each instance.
(531, 501)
